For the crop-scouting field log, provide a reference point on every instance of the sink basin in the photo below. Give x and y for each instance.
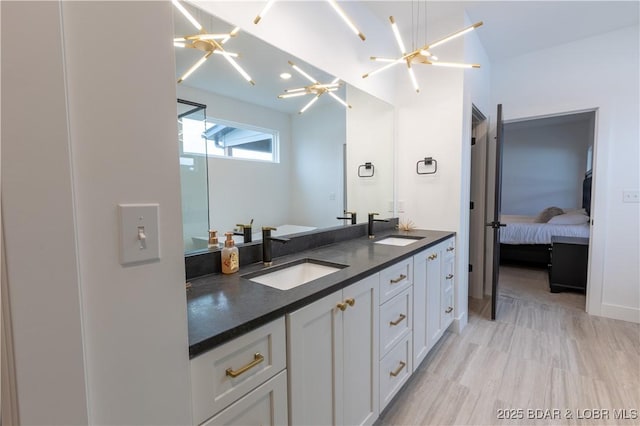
(294, 274)
(398, 240)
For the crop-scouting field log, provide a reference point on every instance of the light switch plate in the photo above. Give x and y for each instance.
(139, 240)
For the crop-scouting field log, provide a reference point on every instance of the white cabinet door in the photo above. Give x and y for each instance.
(360, 353)
(333, 356)
(315, 363)
(434, 293)
(265, 405)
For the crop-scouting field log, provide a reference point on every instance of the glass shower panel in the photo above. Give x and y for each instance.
(193, 174)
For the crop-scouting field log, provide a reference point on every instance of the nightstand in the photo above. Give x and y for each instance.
(568, 267)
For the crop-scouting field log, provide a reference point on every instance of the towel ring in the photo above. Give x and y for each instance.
(428, 161)
(366, 170)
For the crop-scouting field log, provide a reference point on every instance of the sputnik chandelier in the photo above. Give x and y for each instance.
(208, 43)
(316, 88)
(333, 4)
(421, 55)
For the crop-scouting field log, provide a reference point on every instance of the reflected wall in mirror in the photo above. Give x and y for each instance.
(304, 186)
(369, 165)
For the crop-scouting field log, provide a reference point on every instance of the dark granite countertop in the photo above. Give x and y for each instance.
(222, 307)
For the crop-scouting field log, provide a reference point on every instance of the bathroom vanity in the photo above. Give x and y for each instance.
(332, 350)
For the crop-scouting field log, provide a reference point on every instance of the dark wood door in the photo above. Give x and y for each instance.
(495, 224)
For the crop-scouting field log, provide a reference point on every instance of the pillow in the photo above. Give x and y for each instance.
(548, 213)
(569, 219)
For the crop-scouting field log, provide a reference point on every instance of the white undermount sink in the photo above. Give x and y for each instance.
(398, 240)
(288, 276)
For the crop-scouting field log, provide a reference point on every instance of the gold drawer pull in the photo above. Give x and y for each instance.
(433, 256)
(397, 280)
(398, 321)
(398, 370)
(448, 277)
(257, 359)
(350, 301)
(451, 248)
(342, 306)
(448, 311)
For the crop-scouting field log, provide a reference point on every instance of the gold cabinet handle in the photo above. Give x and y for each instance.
(398, 321)
(448, 311)
(350, 301)
(448, 277)
(342, 306)
(397, 280)
(451, 248)
(257, 359)
(433, 256)
(398, 370)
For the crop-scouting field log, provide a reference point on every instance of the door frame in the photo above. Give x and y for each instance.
(592, 297)
(478, 175)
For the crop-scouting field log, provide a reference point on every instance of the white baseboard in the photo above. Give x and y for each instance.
(618, 312)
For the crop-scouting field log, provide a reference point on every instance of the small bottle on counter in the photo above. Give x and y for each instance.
(230, 257)
(213, 239)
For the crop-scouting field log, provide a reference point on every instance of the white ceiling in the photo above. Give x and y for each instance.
(511, 28)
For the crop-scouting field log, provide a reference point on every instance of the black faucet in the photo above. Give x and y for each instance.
(353, 217)
(246, 231)
(371, 220)
(266, 244)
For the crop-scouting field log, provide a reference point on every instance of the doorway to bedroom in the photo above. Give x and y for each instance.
(546, 199)
(546, 162)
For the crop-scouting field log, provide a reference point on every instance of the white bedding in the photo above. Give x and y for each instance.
(524, 230)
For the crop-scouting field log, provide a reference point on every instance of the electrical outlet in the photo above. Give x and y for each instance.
(631, 196)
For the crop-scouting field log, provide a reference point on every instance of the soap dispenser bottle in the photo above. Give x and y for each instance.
(213, 239)
(230, 257)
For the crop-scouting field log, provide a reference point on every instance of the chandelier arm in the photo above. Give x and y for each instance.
(311, 102)
(195, 66)
(337, 98)
(264, 11)
(452, 36)
(187, 15)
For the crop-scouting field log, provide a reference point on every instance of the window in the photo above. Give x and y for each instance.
(225, 139)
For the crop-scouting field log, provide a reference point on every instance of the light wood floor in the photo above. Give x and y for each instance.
(543, 352)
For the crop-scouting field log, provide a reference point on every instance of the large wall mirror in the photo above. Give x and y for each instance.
(256, 159)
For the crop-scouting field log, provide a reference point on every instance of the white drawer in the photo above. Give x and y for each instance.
(395, 279)
(395, 370)
(447, 307)
(263, 350)
(266, 405)
(395, 320)
(449, 249)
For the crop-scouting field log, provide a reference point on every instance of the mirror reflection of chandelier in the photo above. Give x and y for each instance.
(333, 4)
(421, 55)
(316, 89)
(208, 43)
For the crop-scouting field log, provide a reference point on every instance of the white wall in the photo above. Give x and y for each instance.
(317, 165)
(122, 114)
(566, 78)
(38, 219)
(543, 166)
(241, 190)
(370, 134)
(437, 123)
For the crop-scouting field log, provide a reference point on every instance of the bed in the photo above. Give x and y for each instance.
(525, 241)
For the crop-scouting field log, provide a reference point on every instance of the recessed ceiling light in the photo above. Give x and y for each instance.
(285, 76)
